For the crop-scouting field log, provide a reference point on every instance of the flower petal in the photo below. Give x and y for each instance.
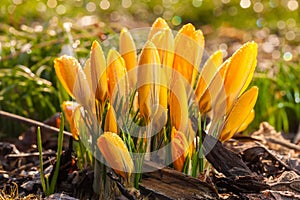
(66, 68)
(98, 72)
(128, 52)
(247, 121)
(148, 80)
(214, 92)
(73, 79)
(181, 148)
(239, 71)
(189, 45)
(69, 108)
(116, 154)
(158, 25)
(239, 113)
(164, 42)
(117, 78)
(178, 104)
(207, 73)
(111, 121)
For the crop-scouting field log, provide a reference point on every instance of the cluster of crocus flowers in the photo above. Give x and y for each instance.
(163, 81)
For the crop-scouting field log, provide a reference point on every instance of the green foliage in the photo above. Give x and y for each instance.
(279, 100)
(50, 185)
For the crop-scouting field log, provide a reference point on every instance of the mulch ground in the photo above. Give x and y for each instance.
(263, 165)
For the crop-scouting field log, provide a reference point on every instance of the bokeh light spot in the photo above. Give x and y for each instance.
(90, 6)
(158, 9)
(51, 3)
(287, 56)
(291, 22)
(293, 5)
(290, 35)
(197, 3)
(245, 3)
(258, 7)
(11, 9)
(259, 23)
(225, 1)
(267, 47)
(104, 4)
(176, 20)
(41, 7)
(126, 3)
(168, 14)
(273, 3)
(60, 9)
(276, 54)
(281, 24)
(17, 2)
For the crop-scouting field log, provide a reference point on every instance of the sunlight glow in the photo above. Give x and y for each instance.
(104, 4)
(51, 3)
(293, 5)
(245, 3)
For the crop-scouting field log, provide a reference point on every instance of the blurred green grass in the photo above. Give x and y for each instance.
(33, 33)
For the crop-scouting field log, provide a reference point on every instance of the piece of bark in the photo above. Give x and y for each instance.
(49, 130)
(170, 184)
(239, 178)
(257, 158)
(221, 158)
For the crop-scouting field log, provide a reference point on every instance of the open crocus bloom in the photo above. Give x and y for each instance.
(168, 82)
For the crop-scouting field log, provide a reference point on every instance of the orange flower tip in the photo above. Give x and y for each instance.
(188, 28)
(251, 46)
(160, 23)
(124, 30)
(255, 90)
(218, 53)
(95, 44)
(64, 57)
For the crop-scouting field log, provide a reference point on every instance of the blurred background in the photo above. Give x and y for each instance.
(33, 33)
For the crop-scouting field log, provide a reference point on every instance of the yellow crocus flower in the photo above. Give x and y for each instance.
(128, 52)
(214, 93)
(232, 77)
(239, 113)
(189, 45)
(117, 78)
(98, 72)
(73, 79)
(158, 25)
(178, 104)
(66, 68)
(69, 108)
(148, 80)
(181, 148)
(116, 154)
(207, 73)
(111, 121)
(164, 42)
(247, 121)
(240, 69)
